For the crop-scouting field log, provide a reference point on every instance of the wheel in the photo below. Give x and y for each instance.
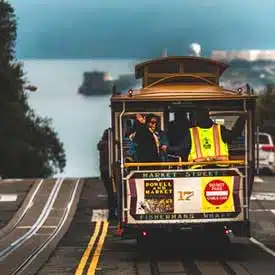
(241, 229)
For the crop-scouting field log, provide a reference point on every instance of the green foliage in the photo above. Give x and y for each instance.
(7, 31)
(265, 105)
(266, 110)
(29, 147)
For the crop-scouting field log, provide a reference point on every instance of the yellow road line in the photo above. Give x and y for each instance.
(93, 264)
(88, 250)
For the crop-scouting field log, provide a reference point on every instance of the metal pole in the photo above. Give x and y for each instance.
(258, 151)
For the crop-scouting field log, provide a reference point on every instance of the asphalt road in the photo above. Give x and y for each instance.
(90, 246)
(28, 243)
(263, 211)
(12, 195)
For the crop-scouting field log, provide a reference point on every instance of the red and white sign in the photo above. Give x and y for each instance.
(216, 192)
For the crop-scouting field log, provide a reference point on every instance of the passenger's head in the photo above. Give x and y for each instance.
(201, 116)
(180, 115)
(151, 121)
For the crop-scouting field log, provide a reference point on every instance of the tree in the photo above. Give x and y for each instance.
(29, 147)
(265, 110)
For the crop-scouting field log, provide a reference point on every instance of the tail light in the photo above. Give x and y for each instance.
(144, 233)
(227, 231)
(268, 148)
(120, 230)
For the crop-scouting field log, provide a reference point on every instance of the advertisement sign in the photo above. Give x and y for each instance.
(159, 196)
(184, 196)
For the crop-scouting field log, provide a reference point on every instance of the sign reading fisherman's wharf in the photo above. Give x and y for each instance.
(186, 216)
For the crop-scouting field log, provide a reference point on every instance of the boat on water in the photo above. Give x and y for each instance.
(101, 83)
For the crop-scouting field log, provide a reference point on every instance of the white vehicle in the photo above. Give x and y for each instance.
(266, 152)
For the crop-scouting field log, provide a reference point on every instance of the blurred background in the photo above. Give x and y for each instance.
(74, 51)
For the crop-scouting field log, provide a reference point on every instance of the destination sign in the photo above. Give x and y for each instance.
(183, 174)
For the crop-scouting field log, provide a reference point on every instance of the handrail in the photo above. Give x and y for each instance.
(182, 163)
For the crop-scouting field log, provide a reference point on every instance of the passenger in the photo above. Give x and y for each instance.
(102, 146)
(163, 143)
(130, 145)
(129, 142)
(209, 141)
(129, 128)
(177, 132)
(178, 128)
(148, 140)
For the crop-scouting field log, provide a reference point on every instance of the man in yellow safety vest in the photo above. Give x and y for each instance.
(208, 141)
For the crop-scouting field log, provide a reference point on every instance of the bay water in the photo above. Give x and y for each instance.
(78, 120)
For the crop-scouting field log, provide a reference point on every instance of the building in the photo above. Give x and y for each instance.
(101, 83)
(248, 55)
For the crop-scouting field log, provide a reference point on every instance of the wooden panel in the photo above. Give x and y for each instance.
(162, 75)
(177, 64)
(180, 78)
(237, 157)
(145, 78)
(164, 67)
(198, 66)
(181, 68)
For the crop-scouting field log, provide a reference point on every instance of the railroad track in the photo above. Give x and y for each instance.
(190, 268)
(155, 259)
(44, 220)
(106, 254)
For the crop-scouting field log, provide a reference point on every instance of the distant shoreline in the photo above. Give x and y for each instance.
(80, 59)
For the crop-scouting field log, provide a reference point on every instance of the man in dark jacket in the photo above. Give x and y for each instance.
(177, 132)
(105, 174)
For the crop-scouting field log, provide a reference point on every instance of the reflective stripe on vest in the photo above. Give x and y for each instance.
(207, 144)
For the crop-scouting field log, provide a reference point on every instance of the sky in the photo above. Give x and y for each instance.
(140, 28)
